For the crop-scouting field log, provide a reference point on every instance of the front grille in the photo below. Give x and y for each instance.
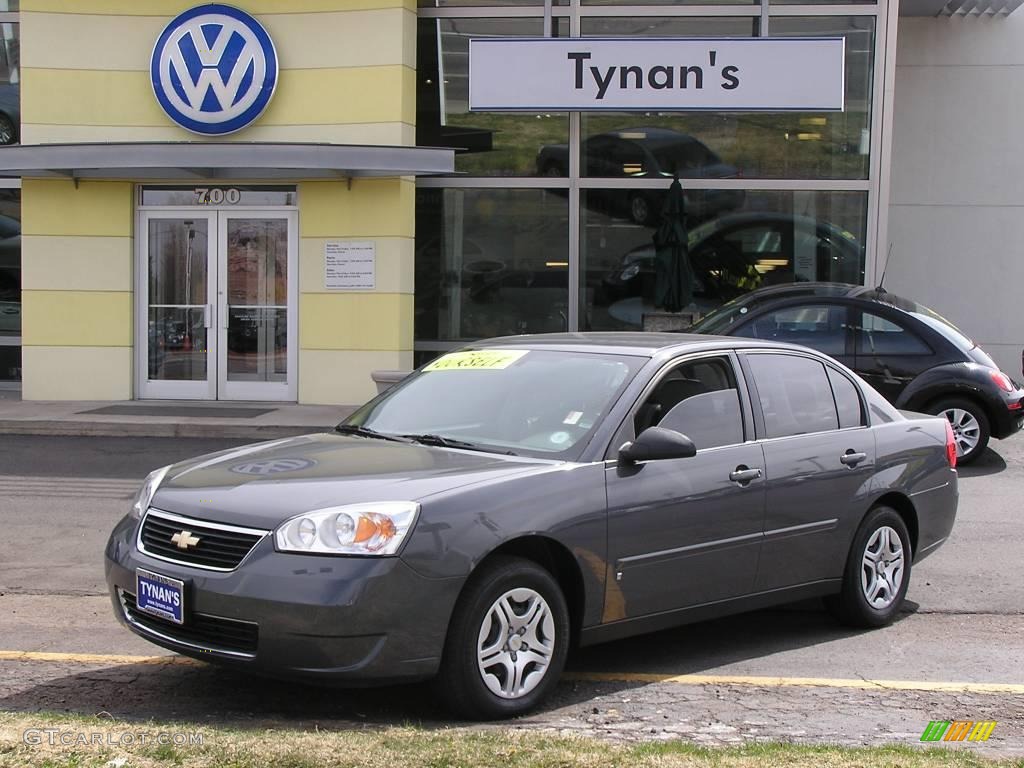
(220, 547)
(208, 633)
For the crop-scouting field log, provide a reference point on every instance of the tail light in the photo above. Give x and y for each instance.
(1001, 380)
(950, 446)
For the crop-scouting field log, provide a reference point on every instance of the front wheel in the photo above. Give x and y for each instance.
(877, 572)
(970, 426)
(507, 643)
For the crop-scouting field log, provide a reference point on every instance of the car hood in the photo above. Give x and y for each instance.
(264, 484)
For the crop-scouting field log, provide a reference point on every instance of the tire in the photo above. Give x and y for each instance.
(640, 209)
(970, 426)
(477, 691)
(866, 600)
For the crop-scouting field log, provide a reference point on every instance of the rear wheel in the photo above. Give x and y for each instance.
(507, 643)
(970, 426)
(877, 572)
(640, 208)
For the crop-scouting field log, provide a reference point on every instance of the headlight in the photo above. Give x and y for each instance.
(145, 494)
(630, 272)
(354, 529)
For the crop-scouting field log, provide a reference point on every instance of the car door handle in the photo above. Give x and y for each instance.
(744, 474)
(851, 458)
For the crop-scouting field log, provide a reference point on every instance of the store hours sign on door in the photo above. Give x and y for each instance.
(350, 265)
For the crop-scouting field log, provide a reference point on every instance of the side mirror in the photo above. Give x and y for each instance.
(657, 443)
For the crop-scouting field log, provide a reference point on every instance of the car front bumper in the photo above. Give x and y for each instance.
(326, 619)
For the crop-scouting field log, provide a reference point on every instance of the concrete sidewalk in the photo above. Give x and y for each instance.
(164, 418)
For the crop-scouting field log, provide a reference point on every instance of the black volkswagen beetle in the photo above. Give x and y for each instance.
(913, 356)
(529, 493)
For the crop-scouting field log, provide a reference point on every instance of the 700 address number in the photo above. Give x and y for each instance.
(217, 196)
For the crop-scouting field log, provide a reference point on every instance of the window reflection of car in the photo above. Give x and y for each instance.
(10, 275)
(10, 113)
(736, 253)
(645, 153)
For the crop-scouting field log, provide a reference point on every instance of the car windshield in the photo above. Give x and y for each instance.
(531, 402)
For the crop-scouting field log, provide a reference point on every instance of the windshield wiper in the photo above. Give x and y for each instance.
(352, 429)
(451, 442)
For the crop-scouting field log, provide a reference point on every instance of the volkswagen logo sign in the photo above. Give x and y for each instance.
(272, 466)
(214, 69)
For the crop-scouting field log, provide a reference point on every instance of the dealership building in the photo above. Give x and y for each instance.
(272, 200)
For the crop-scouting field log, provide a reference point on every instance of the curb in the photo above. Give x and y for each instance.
(67, 428)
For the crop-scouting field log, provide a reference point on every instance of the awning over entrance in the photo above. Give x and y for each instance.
(187, 160)
(958, 7)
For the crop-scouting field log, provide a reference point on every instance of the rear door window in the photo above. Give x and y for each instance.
(847, 400)
(878, 335)
(794, 393)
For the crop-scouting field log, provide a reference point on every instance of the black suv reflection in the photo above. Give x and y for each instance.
(914, 357)
(644, 153)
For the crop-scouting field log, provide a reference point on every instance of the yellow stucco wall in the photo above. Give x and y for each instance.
(76, 290)
(347, 71)
(347, 75)
(343, 335)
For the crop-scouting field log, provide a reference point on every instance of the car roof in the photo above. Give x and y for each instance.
(833, 290)
(635, 343)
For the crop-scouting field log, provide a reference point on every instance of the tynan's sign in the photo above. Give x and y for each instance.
(214, 69)
(754, 74)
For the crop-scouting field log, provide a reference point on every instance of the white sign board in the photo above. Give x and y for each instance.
(750, 74)
(350, 266)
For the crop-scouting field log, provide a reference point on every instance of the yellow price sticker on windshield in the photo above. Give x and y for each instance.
(476, 360)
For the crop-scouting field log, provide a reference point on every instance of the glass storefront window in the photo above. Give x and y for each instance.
(490, 143)
(10, 82)
(10, 284)
(758, 238)
(827, 145)
(490, 262)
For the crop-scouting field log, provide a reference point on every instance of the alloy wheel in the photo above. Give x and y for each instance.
(966, 430)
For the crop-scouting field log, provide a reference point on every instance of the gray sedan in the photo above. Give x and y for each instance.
(529, 493)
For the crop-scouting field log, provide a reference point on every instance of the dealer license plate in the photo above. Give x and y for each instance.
(160, 595)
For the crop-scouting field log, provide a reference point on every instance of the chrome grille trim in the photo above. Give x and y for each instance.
(185, 522)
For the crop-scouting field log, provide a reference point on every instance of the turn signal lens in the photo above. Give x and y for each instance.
(357, 529)
(950, 446)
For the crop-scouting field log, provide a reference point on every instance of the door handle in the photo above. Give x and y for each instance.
(207, 316)
(852, 458)
(744, 474)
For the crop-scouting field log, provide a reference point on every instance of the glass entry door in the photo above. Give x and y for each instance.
(217, 294)
(254, 346)
(176, 329)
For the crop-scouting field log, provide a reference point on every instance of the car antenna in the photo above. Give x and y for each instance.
(888, 256)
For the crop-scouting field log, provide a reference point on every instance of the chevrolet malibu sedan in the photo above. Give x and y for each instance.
(527, 494)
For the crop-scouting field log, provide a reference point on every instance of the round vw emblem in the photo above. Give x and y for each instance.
(272, 466)
(214, 69)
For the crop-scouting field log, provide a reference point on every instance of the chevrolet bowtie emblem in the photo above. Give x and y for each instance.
(185, 539)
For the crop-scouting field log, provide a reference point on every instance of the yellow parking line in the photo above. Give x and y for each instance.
(611, 677)
(812, 682)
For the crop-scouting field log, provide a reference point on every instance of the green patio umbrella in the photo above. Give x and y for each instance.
(673, 275)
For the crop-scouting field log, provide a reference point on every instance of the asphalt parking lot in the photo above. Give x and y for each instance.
(790, 674)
